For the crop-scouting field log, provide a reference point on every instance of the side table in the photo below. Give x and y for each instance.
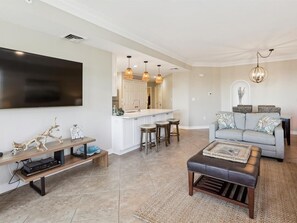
(287, 127)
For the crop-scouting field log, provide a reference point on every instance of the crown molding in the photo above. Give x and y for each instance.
(244, 62)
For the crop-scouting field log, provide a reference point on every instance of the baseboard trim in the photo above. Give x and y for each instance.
(111, 151)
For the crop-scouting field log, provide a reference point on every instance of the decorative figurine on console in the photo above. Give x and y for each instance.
(39, 140)
(76, 133)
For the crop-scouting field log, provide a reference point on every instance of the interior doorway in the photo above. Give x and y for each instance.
(149, 92)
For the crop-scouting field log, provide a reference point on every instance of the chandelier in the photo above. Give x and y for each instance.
(258, 74)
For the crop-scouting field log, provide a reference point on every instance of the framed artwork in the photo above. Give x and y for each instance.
(240, 93)
(76, 132)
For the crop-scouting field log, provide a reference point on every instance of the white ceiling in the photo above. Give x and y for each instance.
(195, 32)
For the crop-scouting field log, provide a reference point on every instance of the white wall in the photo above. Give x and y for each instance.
(94, 117)
(180, 97)
(196, 96)
(204, 96)
(166, 87)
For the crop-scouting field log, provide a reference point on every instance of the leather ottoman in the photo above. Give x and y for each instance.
(232, 181)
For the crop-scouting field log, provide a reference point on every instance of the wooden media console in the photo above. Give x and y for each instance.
(57, 149)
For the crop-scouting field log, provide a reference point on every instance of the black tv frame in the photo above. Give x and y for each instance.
(29, 80)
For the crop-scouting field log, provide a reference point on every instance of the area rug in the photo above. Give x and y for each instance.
(275, 200)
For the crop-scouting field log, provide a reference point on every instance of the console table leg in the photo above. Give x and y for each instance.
(191, 181)
(40, 190)
(251, 193)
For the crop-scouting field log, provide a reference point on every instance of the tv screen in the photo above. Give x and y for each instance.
(31, 80)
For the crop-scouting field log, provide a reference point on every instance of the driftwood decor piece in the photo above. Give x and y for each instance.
(39, 141)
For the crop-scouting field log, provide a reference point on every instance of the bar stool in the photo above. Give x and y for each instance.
(147, 129)
(165, 125)
(173, 121)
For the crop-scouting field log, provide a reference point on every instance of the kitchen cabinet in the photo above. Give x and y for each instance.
(134, 94)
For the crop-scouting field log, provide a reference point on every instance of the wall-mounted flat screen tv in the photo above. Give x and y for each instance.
(31, 80)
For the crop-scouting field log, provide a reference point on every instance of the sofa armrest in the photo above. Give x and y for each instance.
(213, 127)
(279, 141)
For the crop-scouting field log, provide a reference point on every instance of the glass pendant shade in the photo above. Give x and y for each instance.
(159, 78)
(128, 72)
(145, 75)
(258, 74)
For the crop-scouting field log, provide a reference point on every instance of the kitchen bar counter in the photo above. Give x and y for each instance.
(146, 112)
(126, 128)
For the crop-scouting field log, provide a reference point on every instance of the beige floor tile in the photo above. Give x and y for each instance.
(96, 215)
(127, 216)
(136, 181)
(92, 194)
(131, 199)
(13, 213)
(99, 201)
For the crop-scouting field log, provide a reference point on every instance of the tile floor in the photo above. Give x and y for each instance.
(92, 194)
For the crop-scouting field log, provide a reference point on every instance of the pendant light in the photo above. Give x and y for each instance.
(258, 74)
(128, 72)
(145, 75)
(159, 78)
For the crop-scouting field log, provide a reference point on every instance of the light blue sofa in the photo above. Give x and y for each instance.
(271, 145)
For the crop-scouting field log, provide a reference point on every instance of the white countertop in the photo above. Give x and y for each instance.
(144, 112)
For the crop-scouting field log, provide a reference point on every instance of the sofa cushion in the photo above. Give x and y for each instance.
(258, 137)
(267, 124)
(251, 119)
(233, 134)
(225, 120)
(239, 119)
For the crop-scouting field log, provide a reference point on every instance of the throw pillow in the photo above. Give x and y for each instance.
(267, 124)
(225, 120)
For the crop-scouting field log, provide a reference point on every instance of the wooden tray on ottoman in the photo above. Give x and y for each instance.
(228, 151)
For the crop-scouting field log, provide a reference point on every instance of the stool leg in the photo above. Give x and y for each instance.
(150, 139)
(146, 140)
(140, 147)
(251, 195)
(157, 144)
(191, 179)
(177, 132)
(159, 134)
(168, 133)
